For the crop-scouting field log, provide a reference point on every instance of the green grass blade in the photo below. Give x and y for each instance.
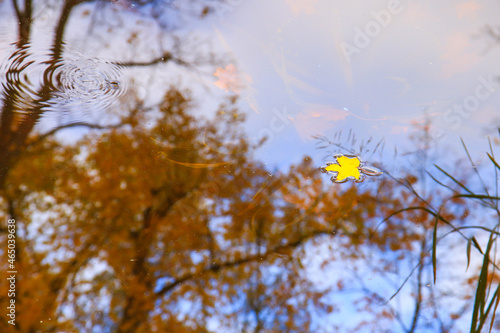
(497, 299)
(476, 196)
(483, 198)
(484, 316)
(474, 166)
(479, 302)
(494, 161)
(497, 167)
(476, 244)
(469, 247)
(434, 256)
(454, 180)
(440, 183)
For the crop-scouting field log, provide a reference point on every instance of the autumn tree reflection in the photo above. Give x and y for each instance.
(165, 222)
(34, 83)
(159, 217)
(175, 227)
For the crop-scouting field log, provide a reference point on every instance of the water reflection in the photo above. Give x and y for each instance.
(22, 75)
(348, 167)
(171, 220)
(75, 82)
(86, 80)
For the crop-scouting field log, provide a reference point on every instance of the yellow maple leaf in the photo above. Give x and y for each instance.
(346, 167)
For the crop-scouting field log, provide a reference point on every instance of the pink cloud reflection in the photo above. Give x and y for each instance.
(467, 10)
(316, 119)
(302, 6)
(458, 55)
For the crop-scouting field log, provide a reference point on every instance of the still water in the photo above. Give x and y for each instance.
(249, 166)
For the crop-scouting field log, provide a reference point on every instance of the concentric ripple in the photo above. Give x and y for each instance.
(77, 86)
(87, 80)
(20, 77)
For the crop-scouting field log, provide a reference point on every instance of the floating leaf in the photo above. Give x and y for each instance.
(348, 167)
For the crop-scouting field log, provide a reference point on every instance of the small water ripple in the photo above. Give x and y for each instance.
(86, 81)
(74, 84)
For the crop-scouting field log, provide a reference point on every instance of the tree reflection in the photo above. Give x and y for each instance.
(176, 227)
(165, 222)
(33, 83)
(163, 233)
